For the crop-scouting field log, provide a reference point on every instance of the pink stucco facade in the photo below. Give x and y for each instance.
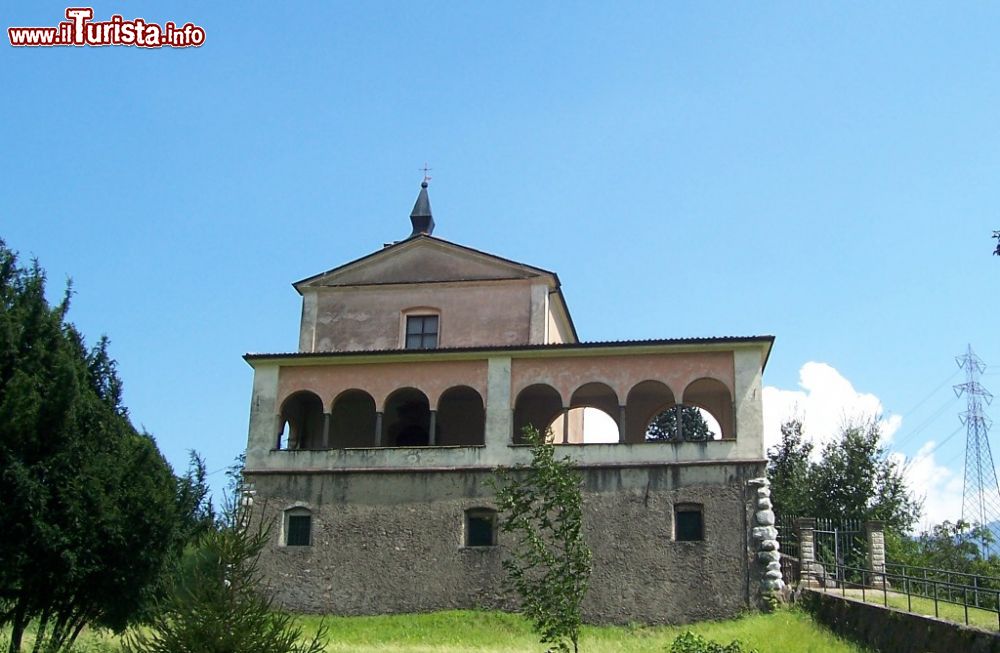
(386, 450)
(373, 318)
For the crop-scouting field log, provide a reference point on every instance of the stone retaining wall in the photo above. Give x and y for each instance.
(892, 631)
(392, 543)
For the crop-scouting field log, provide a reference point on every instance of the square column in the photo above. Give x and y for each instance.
(875, 535)
(807, 551)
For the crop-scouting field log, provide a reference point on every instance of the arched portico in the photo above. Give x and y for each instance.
(353, 420)
(407, 420)
(461, 418)
(301, 422)
(645, 400)
(712, 396)
(536, 405)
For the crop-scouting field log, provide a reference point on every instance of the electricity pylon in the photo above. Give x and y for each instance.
(981, 494)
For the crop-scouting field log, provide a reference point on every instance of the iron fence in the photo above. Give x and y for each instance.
(971, 591)
(788, 547)
(984, 590)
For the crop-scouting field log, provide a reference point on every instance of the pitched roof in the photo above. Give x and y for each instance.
(524, 270)
(485, 266)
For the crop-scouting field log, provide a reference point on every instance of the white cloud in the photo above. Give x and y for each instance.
(939, 487)
(826, 400)
(825, 403)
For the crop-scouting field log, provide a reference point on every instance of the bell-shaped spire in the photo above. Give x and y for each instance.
(420, 216)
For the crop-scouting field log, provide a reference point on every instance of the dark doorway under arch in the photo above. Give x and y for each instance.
(352, 420)
(461, 418)
(407, 420)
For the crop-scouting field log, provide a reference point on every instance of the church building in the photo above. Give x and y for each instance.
(370, 448)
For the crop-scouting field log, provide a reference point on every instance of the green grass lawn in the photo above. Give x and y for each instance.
(787, 631)
(980, 618)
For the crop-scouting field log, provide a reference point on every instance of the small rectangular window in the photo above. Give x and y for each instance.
(298, 531)
(688, 524)
(421, 331)
(480, 528)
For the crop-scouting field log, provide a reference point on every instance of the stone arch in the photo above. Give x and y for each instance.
(301, 421)
(712, 396)
(407, 420)
(645, 400)
(536, 405)
(461, 418)
(352, 420)
(593, 415)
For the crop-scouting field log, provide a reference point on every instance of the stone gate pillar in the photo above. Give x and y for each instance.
(807, 551)
(875, 535)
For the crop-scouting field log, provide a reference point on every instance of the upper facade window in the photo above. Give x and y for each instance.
(421, 331)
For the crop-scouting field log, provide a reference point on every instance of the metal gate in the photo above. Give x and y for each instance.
(840, 544)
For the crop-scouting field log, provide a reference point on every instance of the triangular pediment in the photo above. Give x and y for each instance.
(423, 259)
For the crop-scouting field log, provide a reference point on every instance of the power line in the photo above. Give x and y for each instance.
(927, 454)
(909, 435)
(931, 393)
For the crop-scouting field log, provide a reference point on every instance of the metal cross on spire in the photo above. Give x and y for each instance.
(425, 170)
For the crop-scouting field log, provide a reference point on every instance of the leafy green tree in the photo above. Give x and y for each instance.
(693, 425)
(788, 469)
(194, 502)
(88, 511)
(955, 547)
(549, 563)
(217, 602)
(854, 478)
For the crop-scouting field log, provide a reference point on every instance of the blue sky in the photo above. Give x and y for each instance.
(823, 172)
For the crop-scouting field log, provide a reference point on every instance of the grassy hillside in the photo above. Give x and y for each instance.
(788, 631)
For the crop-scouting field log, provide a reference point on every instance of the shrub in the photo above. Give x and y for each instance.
(549, 563)
(688, 642)
(218, 604)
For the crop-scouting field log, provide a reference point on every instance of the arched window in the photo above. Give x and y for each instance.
(352, 421)
(480, 527)
(407, 419)
(297, 527)
(461, 418)
(302, 413)
(536, 405)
